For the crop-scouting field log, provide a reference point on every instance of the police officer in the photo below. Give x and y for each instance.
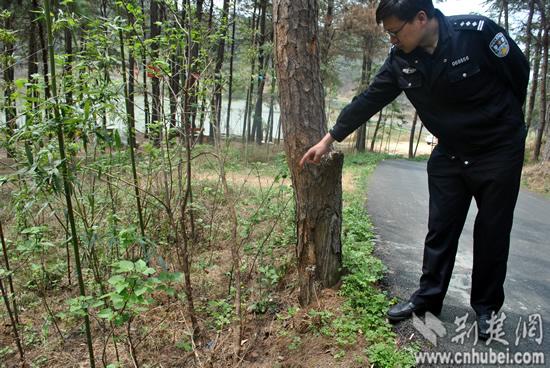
(467, 80)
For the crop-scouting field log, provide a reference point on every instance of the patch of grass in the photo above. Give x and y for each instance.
(364, 311)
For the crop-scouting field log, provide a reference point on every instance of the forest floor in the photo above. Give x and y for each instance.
(343, 327)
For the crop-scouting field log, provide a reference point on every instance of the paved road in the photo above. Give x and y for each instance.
(398, 206)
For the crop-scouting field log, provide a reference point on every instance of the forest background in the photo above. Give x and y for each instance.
(147, 213)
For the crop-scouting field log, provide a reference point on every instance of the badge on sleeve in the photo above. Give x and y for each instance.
(499, 45)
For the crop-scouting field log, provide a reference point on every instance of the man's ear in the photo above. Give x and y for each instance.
(422, 17)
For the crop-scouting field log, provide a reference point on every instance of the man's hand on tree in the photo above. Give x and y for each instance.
(314, 154)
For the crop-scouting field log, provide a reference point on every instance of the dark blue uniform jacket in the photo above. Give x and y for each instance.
(469, 93)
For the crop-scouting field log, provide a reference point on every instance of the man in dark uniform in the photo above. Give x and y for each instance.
(467, 79)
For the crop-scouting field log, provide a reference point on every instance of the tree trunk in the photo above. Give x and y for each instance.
(156, 113)
(147, 111)
(318, 189)
(544, 75)
(32, 69)
(361, 139)
(327, 34)
(174, 86)
(505, 11)
(546, 151)
(248, 106)
(231, 60)
(258, 124)
(10, 108)
(68, 70)
(535, 80)
(373, 141)
(529, 36)
(418, 139)
(217, 100)
(411, 140)
(271, 105)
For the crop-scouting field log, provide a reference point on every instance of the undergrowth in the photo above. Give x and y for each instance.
(365, 306)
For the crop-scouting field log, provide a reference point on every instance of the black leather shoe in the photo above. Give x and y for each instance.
(405, 310)
(483, 326)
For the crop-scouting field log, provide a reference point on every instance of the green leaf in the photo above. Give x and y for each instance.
(107, 314)
(125, 266)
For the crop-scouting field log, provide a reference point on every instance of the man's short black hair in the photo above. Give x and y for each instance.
(404, 10)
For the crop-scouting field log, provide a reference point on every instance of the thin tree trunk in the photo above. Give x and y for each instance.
(66, 183)
(535, 80)
(217, 100)
(271, 107)
(13, 322)
(529, 36)
(373, 141)
(44, 54)
(546, 151)
(10, 278)
(231, 60)
(147, 111)
(10, 109)
(318, 190)
(156, 113)
(175, 70)
(68, 67)
(131, 142)
(544, 79)
(505, 11)
(193, 56)
(250, 92)
(327, 34)
(418, 139)
(411, 140)
(361, 138)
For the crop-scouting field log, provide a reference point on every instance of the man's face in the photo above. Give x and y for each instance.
(404, 35)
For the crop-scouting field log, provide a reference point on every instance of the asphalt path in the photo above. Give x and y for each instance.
(398, 206)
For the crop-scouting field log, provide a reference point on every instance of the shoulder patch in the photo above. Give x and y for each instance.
(467, 23)
(499, 45)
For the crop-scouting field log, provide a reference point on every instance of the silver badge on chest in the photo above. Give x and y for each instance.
(409, 70)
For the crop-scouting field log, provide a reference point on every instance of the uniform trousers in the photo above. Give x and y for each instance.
(493, 181)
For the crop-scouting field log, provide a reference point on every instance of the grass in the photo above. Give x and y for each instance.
(365, 307)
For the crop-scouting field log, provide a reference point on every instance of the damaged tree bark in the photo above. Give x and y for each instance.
(318, 189)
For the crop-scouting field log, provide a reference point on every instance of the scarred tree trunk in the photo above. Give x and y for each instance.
(318, 189)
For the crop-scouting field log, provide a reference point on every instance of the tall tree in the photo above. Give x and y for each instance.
(231, 63)
(318, 190)
(528, 30)
(8, 66)
(175, 70)
(257, 128)
(411, 140)
(544, 80)
(217, 99)
(535, 80)
(156, 113)
(145, 87)
(327, 33)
